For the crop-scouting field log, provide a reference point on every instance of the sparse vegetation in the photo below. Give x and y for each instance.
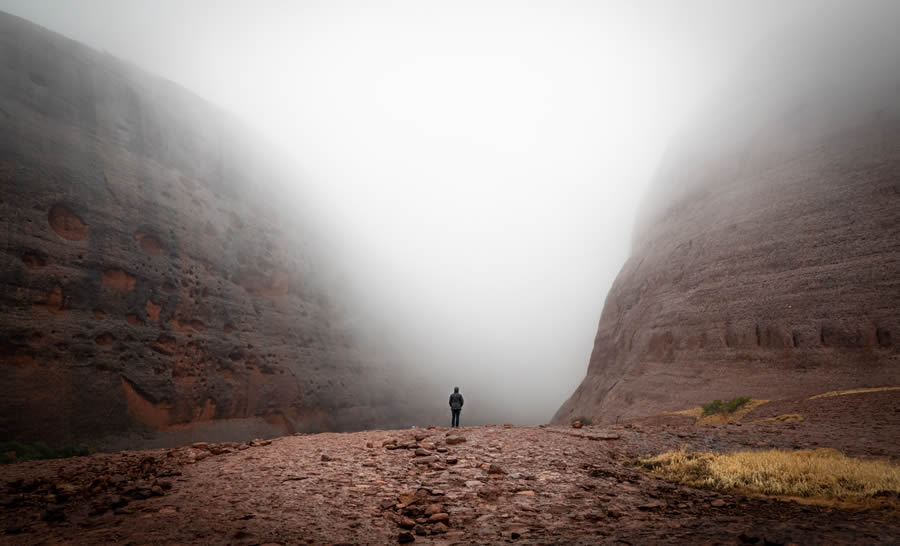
(15, 452)
(787, 417)
(720, 414)
(853, 391)
(731, 406)
(821, 473)
(586, 421)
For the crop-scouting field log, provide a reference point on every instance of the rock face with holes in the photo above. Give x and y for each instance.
(766, 262)
(151, 290)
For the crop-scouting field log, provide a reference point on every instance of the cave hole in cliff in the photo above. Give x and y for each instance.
(153, 311)
(105, 338)
(884, 337)
(119, 280)
(66, 224)
(134, 320)
(795, 339)
(33, 260)
(149, 243)
(55, 302)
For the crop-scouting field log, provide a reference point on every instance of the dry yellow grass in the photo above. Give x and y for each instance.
(782, 418)
(821, 473)
(693, 412)
(719, 418)
(853, 391)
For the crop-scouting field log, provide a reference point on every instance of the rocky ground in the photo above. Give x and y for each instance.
(474, 485)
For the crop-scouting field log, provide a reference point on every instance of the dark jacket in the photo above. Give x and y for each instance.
(456, 401)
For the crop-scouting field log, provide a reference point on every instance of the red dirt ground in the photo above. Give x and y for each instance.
(503, 484)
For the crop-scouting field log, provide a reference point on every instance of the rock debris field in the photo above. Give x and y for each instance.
(475, 485)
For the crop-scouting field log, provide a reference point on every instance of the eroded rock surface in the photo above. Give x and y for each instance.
(767, 260)
(152, 289)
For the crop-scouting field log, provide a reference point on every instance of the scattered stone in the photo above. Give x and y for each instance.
(432, 509)
(389, 442)
(526, 493)
(718, 503)
(370, 445)
(442, 516)
(422, 452)
(454, 439)
(577, 424)
(496, 469)
(425, 460)
(115, 501)
(439, 529)
(420, 530)
(157, 491)
(407, 523)
(405, 537)
(326, 458)
(54, 512)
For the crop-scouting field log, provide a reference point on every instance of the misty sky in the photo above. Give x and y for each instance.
(479, 164)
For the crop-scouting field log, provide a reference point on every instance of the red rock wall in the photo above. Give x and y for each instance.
(151, 289)
(767, 260)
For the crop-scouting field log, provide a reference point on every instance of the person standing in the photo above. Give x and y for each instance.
(456, 404)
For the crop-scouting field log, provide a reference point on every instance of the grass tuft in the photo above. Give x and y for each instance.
(731, 406)
(821, 473)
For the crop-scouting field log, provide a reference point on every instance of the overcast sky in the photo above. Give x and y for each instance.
(481, 162)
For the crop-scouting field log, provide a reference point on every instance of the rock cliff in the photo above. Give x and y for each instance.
(152, 288)
(766, 261)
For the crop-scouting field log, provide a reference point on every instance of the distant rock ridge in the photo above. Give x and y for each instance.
(153, 289)
(766, 260)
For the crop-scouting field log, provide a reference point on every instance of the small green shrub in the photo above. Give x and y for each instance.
(718, 406)
(584, 420)
(38, 451)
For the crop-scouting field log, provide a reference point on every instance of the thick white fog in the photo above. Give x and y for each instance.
(478, 165)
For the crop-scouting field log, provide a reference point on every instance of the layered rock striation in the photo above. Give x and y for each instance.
(152, 287)
(767, 259)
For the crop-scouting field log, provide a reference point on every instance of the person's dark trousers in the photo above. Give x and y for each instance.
(454, 420)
